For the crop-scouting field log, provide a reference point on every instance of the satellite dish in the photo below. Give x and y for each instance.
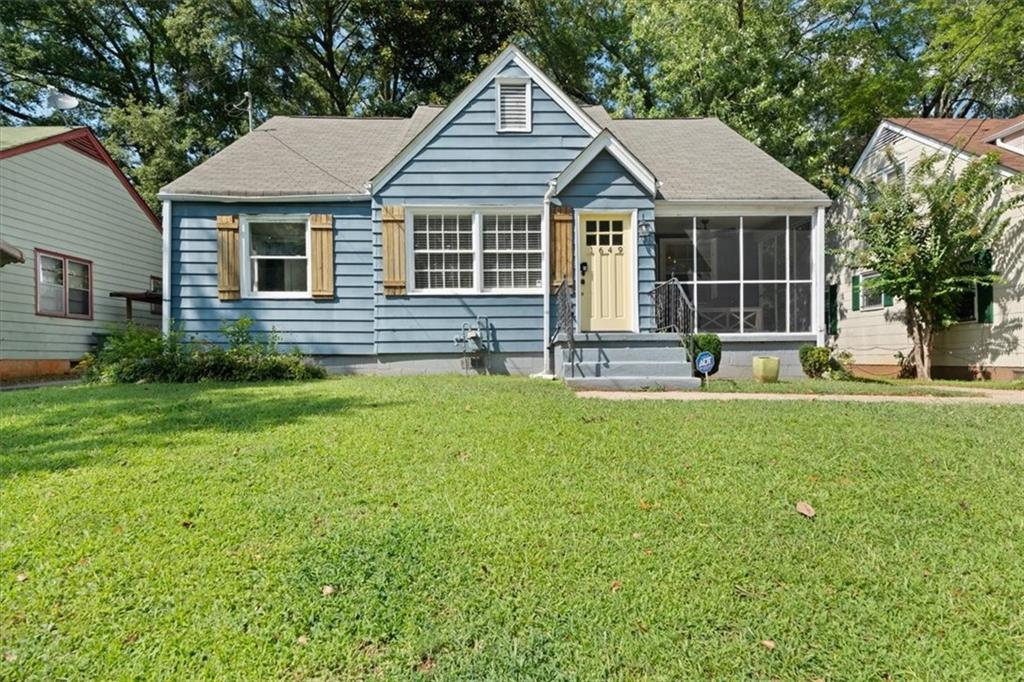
(60, 101)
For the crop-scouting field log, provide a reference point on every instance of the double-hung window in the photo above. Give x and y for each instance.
(512, 251)
(63, 286)
(479, 251)
(443, 248)
(870, 296)
(276, 257)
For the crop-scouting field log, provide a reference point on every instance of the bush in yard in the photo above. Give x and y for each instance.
(815, 360)
(697, 343)
(132, 354)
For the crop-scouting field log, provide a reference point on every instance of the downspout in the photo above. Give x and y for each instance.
(165, 287)
(545, 238)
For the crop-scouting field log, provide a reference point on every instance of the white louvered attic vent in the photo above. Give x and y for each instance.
(513, 106)
(887, 137)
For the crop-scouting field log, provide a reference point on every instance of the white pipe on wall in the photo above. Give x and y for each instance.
(545, 236)
(165, 285)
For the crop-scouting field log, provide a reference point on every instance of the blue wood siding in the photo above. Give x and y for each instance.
(343, 326)
(606, 185)
(469, 164)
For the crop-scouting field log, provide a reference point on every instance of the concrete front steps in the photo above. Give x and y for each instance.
(626, 366)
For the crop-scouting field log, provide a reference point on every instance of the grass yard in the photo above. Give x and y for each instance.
(848, 387)
(502, 528)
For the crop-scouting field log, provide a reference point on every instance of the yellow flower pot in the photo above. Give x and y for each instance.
(766, 369)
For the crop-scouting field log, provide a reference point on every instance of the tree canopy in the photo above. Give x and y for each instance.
(929, 235)
(163, 81)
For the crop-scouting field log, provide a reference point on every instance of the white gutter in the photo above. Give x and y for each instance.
(262, 198)
(545, 239)
(165, 287)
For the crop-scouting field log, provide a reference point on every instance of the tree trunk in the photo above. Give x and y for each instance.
(922, 335)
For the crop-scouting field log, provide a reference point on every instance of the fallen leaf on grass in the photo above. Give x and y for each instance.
(327, 590)
(10, 656)
(768, 644)
(645, 505)
(302, 640)
(21, 577)
(426, 665)
(616, 585)
(805, 509)
(187, 524)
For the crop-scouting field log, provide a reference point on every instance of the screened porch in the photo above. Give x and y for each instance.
(734, 274)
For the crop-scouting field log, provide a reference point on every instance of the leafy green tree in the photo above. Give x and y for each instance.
(928, 236)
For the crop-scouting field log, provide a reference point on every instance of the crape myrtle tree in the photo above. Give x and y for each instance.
(929, 235)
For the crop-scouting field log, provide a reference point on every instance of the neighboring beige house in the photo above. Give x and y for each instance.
(73, 230)
(989, 341)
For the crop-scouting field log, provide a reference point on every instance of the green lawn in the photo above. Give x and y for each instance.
(829, 387)
(504, 529)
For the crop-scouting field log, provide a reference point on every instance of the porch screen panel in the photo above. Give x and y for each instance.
(749, 274)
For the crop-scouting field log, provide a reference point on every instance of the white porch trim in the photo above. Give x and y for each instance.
(730, 207)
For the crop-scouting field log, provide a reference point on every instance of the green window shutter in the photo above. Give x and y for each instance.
(985, 293)
(832, 306)
(855, 305)
(985, 312)
(886, 299)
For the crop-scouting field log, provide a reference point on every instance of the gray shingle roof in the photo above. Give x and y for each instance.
(702, 159)
(693, 159)
(290, 155)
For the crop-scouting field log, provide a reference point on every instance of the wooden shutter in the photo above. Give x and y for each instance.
(321, 260)
(561, 246)
(228, 266)
(855, 303)
(393, 221)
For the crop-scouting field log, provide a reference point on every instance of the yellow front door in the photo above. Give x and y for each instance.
(607, 286)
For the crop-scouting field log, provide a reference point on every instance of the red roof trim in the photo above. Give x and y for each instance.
(85, 141)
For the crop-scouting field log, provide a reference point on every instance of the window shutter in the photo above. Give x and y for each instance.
(886, 299)
(561, 246)
(228, 271)
(986, 313)
(393, 220)
(321, 241)
(833, 309)
(855, 303)
(985, 306)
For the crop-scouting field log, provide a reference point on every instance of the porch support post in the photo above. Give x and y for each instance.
(818, 285)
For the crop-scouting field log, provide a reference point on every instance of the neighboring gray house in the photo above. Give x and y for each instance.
(441, 241)
(72, 230)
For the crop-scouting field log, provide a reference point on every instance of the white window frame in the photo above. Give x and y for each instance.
(246, 265)
(478, 257)
(864, 276)
(789, 281)
(500, 82)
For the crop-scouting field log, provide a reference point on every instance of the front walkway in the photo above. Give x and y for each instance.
(972, 396)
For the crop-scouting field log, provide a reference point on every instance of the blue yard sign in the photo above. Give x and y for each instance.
(705, 363)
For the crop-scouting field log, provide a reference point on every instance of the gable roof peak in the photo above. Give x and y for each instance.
(511, 54)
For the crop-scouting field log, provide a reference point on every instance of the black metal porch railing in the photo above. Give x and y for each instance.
(671, 309)
(565, 319)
